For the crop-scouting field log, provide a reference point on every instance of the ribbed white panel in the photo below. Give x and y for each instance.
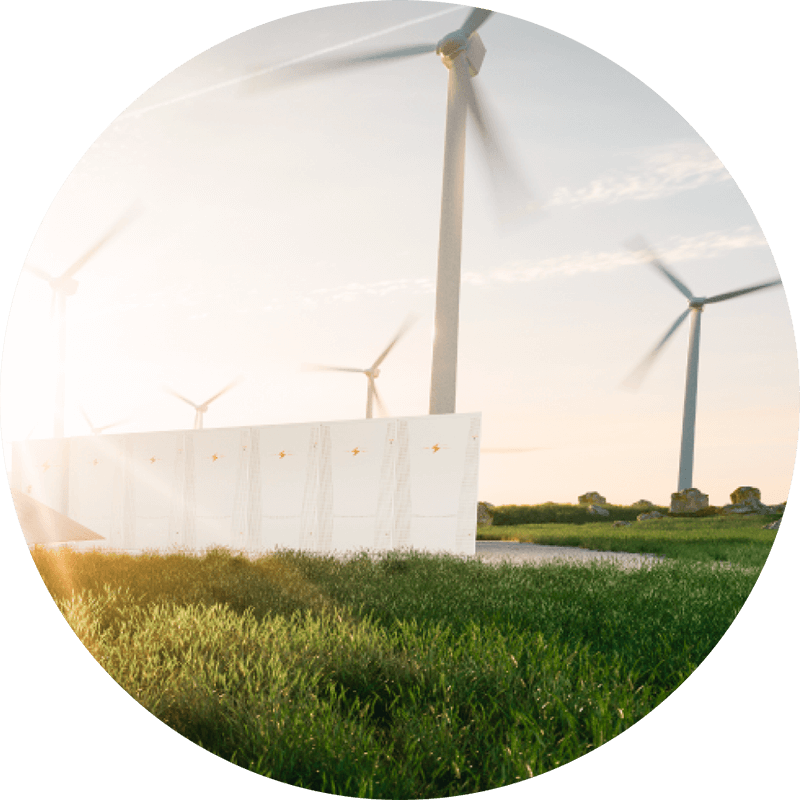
(286, 454)
(357, 459)
(94, 483)
(217, 454)
(326, 487)
(150, 496)
(41, 471)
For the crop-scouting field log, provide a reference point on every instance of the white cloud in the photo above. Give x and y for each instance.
(684, 248)
(675, 169)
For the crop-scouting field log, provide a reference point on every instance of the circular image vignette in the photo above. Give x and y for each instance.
(269, 219)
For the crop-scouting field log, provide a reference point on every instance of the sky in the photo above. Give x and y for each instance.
(299, 224)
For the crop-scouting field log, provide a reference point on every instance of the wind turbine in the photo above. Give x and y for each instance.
(98, 430)
(372, 372)
(63, 286)
(462, 53)
(696, 306)
(202, 407)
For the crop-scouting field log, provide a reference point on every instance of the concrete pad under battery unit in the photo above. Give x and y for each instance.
(283, 465)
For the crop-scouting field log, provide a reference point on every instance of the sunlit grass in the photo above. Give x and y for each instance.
(403, 676)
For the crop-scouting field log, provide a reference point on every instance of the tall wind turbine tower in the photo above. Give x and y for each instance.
(462, 53)
(695, 309)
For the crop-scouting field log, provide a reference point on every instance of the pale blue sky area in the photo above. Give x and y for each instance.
(299, 224)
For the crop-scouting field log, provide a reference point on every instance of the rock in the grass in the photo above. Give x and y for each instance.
(689, 501)
(649, 515)
(620, 523)
(485, 514)
(748, 501)
(744, 508)
(745, 494)
(773, 526)
(598, 510)
(591, 499)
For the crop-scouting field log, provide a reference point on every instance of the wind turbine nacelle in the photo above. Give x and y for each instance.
(455, 43)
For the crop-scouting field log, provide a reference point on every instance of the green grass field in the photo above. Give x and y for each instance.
(409, 675)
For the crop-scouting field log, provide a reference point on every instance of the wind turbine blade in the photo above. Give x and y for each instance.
(226, 389)
(384, 412)
(513, 198)
(324, 368)
(126, 219)
(639, 246)
(476, 18)
(39, 273)
(179, 396)
(320, 66)
(634, 380)
(728, 295)
(53, 303)
(111, 425)
(410, 320)
(88, 421)
(198, 420)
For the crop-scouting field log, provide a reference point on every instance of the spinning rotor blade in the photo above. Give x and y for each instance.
(634, 380)
(313, 68)
(127, 218)
(324, 368)
(410, 320)
(88, 421)
(179, 396)
(226, 389)
(39, 273)
(476, 18)
(377, 398)
(110, 425)
(639, 246)
(53, 303)
(728, 295)
(512, 196)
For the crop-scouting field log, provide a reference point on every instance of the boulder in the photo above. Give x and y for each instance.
(751, 504)
(485, 514)
(773, 526)
(598, 511)
(649, 515)
(620, 523)
(591, 498)
(745, 494)
(689, 501)
(644, 504)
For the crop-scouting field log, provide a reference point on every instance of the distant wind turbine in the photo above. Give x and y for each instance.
(372, 372)
(696, 305)
(201, 409)
(63, 286)
(462, 53)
